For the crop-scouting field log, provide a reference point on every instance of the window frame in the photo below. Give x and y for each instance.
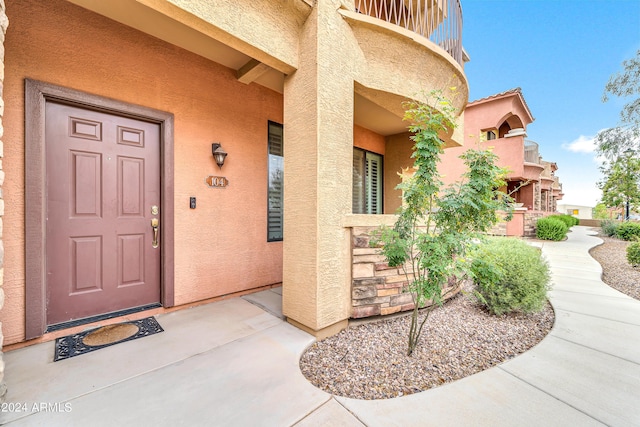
(271, 123)
(365, 187)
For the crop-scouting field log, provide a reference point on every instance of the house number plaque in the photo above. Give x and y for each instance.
(217, 181)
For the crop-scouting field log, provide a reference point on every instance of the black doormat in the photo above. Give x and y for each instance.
(95, 339)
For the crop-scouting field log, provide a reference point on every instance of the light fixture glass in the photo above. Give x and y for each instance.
(218, 154)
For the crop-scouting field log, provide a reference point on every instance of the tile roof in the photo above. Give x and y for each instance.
(515, 91)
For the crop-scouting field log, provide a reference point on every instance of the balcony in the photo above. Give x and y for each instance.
(531, 153)
(557, 188)
(437, 20)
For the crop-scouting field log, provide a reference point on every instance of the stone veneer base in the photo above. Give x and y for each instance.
(376, 288)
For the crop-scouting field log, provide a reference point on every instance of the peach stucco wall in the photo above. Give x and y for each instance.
(492, 113)
(368, 140)
(489, 115)
(220, 247)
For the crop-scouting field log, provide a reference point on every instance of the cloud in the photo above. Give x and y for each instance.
(584, 144)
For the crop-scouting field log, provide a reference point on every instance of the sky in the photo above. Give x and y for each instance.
(561, 53)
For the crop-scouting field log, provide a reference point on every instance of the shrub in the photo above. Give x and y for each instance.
(569, 220)
(510, 275)
(609, 227)
(633, 254)
(628, 230)
(551, 229)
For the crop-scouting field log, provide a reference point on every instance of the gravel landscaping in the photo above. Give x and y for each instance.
(616, 271)
(459, 339)
(369, 361)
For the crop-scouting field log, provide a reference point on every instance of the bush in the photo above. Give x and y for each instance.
(551, 229)
(609, 227)
(633, 254)
(628, 230)
(569, 220)
(510, 275)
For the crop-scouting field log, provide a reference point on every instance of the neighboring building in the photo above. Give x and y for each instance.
(112, 198)
(500, 122)
(580, 212)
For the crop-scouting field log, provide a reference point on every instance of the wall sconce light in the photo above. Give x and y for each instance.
(218, 153)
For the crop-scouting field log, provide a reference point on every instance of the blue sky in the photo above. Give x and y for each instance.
(561, 53)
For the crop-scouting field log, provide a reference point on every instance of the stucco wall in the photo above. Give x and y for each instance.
(3, 28)
(381, 44)
(399, 149)
(492, 113)
(319, 115)
(487, 114)
(527, 196)
(340, 50)
(368, 140)
(510, 152)
(220, 247)
(268, 30)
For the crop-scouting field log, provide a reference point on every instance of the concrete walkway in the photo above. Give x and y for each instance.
(231, 363)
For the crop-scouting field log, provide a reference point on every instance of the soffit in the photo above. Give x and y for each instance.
(136, 15)
(143, 18)
(373, 117)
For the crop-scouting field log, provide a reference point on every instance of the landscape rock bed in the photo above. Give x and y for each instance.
(369, 361)
(460, 338)
(617, 272)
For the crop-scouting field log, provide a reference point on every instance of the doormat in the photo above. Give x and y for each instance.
(95, 339)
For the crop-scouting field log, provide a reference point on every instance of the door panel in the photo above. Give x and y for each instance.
(103, 177)
(130, 187)
(86, 179)
(131, 260)
(86, 264)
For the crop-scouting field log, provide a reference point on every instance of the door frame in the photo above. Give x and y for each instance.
(37, 93)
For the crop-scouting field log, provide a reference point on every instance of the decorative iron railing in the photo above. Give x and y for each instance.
(438, 20)
(531, 154)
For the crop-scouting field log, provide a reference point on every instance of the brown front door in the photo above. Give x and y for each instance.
(102, 184)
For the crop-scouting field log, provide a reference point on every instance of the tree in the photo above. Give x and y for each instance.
(611, 143)
(601, 211)
(433, 234)
(620, 187)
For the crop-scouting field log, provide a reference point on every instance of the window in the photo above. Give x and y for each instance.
(487, 135)
(275, 217)
(367, 182)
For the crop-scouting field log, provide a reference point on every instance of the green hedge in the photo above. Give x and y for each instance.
(633, 254)
(569, 220)
(551, 229)
(510, 275)
(628, 230)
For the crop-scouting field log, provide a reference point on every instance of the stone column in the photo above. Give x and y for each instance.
(318, 150)
(4, 22)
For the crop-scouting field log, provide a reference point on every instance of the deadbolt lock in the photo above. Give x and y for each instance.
(154, 210)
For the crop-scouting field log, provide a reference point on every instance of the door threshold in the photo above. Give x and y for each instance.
(85, 320)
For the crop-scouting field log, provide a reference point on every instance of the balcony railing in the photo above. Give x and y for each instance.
(531, 154)
(438, 20)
